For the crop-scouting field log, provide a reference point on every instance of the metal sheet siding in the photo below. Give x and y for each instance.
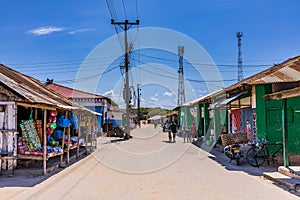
(292, 73)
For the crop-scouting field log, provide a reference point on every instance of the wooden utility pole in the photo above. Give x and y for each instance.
(125, 26)
(139, 105)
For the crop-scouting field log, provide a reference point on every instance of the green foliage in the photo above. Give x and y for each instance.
(150, 112)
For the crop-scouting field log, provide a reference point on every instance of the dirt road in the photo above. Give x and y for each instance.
(148, 167)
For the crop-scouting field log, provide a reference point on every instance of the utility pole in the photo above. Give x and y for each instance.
(181, 92)
(125, 26)
(139, 105)
(240, 77)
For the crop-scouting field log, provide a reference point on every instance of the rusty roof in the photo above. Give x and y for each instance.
(73, 93)
(295, 92)
(32, 90)
(287, 71)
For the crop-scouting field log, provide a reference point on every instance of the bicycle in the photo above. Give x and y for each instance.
(259, 153)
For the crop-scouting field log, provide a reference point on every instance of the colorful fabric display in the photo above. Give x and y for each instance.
(39, 128)
(35, 153)
(30, 135)
(62, 121)
(58, 134)
(74, 121)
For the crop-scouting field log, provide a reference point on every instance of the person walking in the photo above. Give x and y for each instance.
(184, 134)
(173, 128)
(193, 131)
(188, 135)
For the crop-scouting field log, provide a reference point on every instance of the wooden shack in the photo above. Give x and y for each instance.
(28, 127)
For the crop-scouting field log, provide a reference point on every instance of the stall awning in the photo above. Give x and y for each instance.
(295, 92)
(224, 102)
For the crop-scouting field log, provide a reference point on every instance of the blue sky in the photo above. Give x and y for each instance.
(50, 39)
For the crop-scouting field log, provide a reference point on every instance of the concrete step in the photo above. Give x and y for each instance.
(291, 171)
(284, 180)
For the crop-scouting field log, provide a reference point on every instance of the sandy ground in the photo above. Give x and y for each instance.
(147, 167)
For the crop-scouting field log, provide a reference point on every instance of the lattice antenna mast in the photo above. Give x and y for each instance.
(240, 75)
(181, 92)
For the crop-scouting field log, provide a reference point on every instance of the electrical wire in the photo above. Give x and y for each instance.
(206, 64)
(124, 9)
(136, 9)
(192, 80)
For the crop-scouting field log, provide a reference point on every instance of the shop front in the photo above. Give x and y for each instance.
(38, 124)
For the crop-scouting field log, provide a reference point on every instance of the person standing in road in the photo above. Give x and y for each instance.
(173, 128)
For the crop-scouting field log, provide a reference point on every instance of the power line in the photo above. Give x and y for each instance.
(62, 62)
(88, 77)
(106, 59)
(192, 80)
(124, 9)
(205, 64)
(136, 9)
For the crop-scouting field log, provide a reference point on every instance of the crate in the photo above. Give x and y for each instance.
(232, 138)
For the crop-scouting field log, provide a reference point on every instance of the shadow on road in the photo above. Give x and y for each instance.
(32, 175)
(219, 157)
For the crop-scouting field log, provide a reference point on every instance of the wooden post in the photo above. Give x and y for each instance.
(86, 130)
(206, 121)
(78, 145)
(68, 147)
(96, 130)
(62, 147)
(45, 143)
(285, 133)
(78, 139)
(35, 113)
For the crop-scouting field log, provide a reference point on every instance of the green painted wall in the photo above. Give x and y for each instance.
(261, 121)
(186, 119)
(123, 120)
(206, 121)
(274, 121)
(199, 122)
(293, 114)
(269, 119)
(179, 116)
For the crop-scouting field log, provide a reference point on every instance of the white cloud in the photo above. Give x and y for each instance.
(108, 93)
(117, 98)
(79, 31)
(168, 94)
(156, 95)
(46, 30)
(167, 104)
(202, 91)
(154, 99)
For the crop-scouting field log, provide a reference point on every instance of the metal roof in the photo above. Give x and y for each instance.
(33, 91)
(295, 92)
(73, 93)
(287, 71)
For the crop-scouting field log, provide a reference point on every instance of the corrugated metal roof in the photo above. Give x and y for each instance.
(73, 93)
(203, 98)
(32, 90)
(295, 92)
(288, 71)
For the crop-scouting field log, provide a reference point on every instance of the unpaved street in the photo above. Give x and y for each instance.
(148, 167)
